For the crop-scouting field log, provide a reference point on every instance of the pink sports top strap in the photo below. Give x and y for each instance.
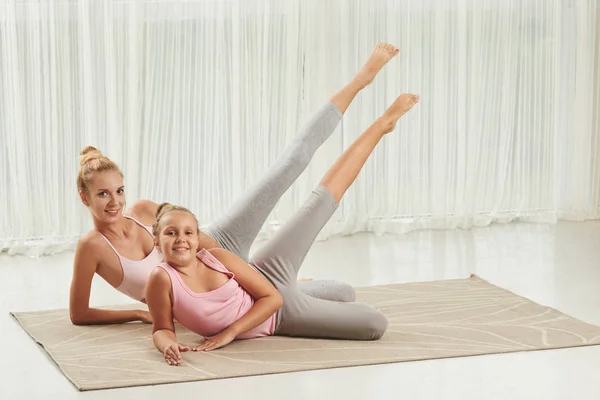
(109, 243)
(211, 261)
(147, 228)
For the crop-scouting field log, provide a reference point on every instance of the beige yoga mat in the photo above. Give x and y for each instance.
(428, 320)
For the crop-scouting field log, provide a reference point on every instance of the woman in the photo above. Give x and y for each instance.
(220, 296)
(121, 250)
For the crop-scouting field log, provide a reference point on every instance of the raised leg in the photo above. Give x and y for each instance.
(281, 257)
(343, 173)
(237, 228)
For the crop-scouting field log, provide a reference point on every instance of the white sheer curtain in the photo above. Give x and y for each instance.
(195, 99)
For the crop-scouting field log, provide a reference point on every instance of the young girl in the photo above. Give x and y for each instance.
(218, 295)
(121, 250)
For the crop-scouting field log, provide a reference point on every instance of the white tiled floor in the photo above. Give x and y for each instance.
(555, 265)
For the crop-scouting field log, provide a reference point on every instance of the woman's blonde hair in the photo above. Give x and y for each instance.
(91, 160)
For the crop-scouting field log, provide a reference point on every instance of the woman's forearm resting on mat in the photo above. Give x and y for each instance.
(97, 316)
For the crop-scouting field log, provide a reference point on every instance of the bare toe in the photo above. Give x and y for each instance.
(380, 56)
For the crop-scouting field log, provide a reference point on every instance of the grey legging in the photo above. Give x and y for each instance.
(237, 228)
(279, 261)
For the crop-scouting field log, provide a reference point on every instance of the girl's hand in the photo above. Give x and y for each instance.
(214, 342)
(173, 352)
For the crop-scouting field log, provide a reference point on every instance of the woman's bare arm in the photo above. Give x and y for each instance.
(84, 268)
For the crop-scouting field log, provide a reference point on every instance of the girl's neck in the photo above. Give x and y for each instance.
(185, 268)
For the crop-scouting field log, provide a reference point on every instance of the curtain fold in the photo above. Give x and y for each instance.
(195, 99)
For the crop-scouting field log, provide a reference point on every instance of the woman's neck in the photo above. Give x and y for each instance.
(119, 229)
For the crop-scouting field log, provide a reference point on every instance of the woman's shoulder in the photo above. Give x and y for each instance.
(144, 211)
(89, 247)
(90, 240)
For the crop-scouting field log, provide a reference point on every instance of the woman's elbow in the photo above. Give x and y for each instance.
(78, 321)
(78, 317)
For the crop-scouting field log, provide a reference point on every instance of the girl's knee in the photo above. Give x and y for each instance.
(328, 290)
(346, 293)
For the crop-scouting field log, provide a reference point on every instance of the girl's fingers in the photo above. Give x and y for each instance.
(172, 357)
(210, 346)
(203, 346)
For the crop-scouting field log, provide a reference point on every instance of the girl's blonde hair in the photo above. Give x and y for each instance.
(166, 208)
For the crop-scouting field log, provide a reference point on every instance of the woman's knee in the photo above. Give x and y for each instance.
(375, 326)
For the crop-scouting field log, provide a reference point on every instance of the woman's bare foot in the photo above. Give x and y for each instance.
(399, 107)
(380, 56)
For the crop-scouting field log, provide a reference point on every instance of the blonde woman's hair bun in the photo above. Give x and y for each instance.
(91, 160)
(88, 154)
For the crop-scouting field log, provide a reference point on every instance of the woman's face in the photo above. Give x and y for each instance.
(178, 238)
(105, 196)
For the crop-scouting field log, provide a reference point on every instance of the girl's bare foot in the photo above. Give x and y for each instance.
(399, 107)
(380, 56)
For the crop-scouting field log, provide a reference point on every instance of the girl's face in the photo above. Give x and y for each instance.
(178, 238)
(105, 196)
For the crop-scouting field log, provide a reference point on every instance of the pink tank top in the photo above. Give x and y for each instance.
(136, 273)
(209, 313)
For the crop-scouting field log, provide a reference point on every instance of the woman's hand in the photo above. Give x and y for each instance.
(217, 341)
(172, 353)
(144, 316)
